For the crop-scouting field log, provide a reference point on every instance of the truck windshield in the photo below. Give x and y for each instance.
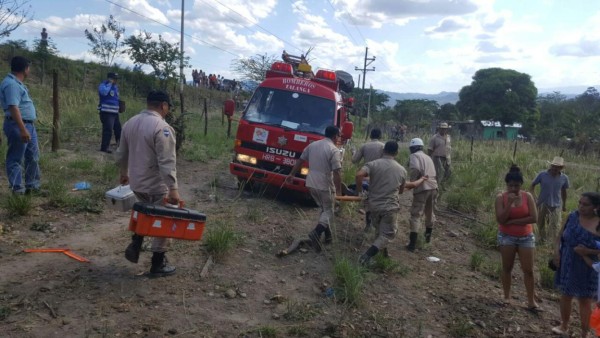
(290, 110)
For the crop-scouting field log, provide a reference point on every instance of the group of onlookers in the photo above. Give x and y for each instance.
(212, 81)
(576, 245)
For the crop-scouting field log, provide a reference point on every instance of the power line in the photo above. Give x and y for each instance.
(171, 28)
(343, 24)
(259, 26)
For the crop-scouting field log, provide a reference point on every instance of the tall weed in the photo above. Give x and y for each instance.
(349, 280)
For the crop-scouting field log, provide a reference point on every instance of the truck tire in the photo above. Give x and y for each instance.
(244, 184)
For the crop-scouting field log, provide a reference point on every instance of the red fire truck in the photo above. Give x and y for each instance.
(290, 109)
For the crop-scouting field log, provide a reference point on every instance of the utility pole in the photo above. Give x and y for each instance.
(181, 132)
(365, 70)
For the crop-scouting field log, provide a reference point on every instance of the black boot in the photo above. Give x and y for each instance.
(428, 235)
(412, 245)
(132, 253)
(328, 236)
(315, 237)
(367, 221)
(160, 265)
(385, 253)
(366, 257)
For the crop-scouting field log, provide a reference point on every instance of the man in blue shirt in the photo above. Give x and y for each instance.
(552, 199)
(23, 152)
(108, 93)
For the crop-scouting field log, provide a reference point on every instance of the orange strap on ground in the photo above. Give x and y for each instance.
(46, 250)
(65, 251)
(76, 257)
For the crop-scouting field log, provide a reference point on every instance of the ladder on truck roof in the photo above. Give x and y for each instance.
(299, 63)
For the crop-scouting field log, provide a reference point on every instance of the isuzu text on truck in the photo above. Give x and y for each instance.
(290, 109)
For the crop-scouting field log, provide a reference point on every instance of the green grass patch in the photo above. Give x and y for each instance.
(298, 311)
(4, 312)
(219, 239)
(18, 204)
(487, 235)
(298, 331)
(546, 276)
(476, 261)
(384, 264)
(460, 327)
(266, 331)
(349, 280)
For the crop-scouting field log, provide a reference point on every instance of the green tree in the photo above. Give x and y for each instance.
(13, 13)
(16, 44)
(416, 112)
(555, 112)
(448, 112)
(159, 54)
(105, 40)
(503, 95)
(253, 68)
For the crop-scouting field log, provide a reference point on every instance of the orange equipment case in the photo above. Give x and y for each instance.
(159, 221)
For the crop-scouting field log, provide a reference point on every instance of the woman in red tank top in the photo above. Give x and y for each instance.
(515, 213)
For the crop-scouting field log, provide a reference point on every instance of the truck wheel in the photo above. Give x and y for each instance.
(244, 184)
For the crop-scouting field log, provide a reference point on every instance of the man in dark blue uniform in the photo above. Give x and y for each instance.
(108, 92)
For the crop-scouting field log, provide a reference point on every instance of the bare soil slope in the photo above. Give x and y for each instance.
(249, 292)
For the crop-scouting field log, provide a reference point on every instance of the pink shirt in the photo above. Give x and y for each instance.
(515, 213)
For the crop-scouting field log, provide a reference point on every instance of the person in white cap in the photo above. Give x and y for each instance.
(439, 149)
(552, 198)
(425, 195)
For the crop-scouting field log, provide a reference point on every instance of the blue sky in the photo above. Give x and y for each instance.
(425, 46)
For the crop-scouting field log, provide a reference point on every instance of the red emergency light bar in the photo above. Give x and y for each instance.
(326, 75)
(281, 67)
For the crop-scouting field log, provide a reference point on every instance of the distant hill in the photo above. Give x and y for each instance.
(452, 97)
(441, 98)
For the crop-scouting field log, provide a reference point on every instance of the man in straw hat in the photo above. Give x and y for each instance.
(552, 198)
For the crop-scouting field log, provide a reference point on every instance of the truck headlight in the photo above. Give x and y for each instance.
(304, 171)
(246, 158)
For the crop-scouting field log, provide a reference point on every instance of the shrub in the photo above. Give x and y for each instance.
(349, 280)
(18, 205)
(220, 239)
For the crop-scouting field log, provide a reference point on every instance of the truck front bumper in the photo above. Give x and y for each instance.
(249, 173)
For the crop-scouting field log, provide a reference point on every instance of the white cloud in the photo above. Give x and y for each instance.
(139, 7)
(375, 13)
(448, 25)
(584, 47)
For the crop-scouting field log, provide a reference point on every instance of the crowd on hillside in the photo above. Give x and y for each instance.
(213, 81)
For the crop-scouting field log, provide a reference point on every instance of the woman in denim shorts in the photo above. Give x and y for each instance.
(515, 213)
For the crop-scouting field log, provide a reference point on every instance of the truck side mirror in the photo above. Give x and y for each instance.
(229, 107)
(347, 130)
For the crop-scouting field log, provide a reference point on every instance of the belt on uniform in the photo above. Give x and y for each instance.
(24, 121)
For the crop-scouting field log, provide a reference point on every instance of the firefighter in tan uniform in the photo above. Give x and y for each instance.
(324, 180)
(147, 161)
(387, 182)
(439, 149)
(425, 195)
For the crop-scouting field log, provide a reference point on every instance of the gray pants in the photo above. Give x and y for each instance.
(442, 168)
(159, 244)
(423, 203)
(324, 199)
(386, 223)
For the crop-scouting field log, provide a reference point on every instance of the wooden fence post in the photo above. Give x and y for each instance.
(205, 118)
(472, 138)
(56, 113)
